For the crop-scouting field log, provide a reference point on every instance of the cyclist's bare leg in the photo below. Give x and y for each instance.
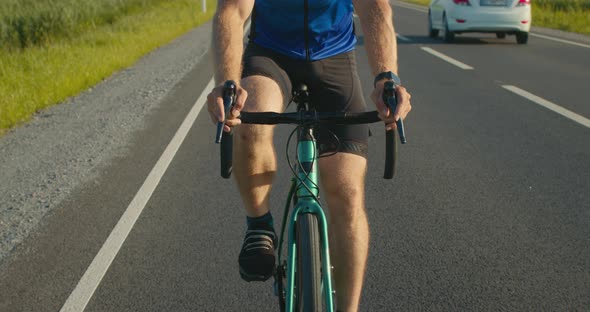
(343, 183)
(254, 160)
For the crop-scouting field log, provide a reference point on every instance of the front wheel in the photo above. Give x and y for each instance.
(309, 273)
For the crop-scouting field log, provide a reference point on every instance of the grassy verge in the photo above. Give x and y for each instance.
(25, 23)
(568, 15)
(422, 2)
(41, 75)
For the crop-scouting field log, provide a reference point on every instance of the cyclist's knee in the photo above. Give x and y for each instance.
(345, 196)
(343, 179)
(254, 134)
(264, 94)
(346, 208)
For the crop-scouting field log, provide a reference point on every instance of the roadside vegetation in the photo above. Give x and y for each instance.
(26, 23)
(53, 49)
(568, 15)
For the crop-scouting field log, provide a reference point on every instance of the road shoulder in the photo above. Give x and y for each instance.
(68, 145)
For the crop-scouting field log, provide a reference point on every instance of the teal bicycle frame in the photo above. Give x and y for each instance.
(307, 192)
(305, 180)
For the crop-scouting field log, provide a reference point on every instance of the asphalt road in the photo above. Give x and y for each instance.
(489, 210)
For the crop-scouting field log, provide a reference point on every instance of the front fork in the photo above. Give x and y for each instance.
(314, 208)
(307, 192)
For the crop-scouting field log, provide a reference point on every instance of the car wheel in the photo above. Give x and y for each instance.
(449, 36)
(500, 35)
(522, 37)
(432, 33)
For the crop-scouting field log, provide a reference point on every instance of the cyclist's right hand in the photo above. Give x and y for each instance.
(216, 109)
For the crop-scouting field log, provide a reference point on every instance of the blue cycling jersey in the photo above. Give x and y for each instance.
(304, 29)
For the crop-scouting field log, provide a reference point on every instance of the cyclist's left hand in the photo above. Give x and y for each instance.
(403, 105)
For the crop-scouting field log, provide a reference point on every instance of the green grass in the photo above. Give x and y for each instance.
(422, 2)
(46, 72)
(568, 15)
(24, 23)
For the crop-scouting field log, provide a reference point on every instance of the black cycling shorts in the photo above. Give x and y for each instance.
(333, 85)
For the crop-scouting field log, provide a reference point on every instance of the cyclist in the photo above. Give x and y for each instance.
(311, 42)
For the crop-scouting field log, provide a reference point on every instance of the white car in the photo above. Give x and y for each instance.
(501, 17)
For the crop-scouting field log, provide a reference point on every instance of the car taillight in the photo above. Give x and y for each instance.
(462, 2)
(523, 2)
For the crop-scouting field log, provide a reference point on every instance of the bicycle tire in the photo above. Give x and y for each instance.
(309, 273)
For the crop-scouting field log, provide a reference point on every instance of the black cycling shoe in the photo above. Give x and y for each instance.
(257, 258)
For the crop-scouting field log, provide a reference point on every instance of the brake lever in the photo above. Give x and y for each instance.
(229, 97)
(390, 99)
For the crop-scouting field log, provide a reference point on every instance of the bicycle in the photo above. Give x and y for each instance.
(304, 278)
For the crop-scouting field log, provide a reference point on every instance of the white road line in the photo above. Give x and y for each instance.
(447, 58)
(86, 287)
(549, 105)
(400, 37)
(89, 282)
(561, 40)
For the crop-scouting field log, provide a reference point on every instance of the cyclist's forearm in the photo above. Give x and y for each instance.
(227, 45)
(376, 18)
